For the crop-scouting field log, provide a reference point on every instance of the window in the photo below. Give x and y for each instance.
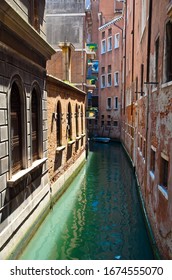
(16, 130)
(116, 79)
(102, 123)
(141, 79)
(103, 70)
(115, 123)
(156, 59)
(76, 120)
(109, 103)
(109, 31)
(35, 125)
(109, 43)
(103, 46)
(152, 161)
(116, 40)
(118, 5)
(109, 76)
(82, 120)
(102, 116)
(116, 103)
(103, 81)
(164, 173)
(59, 124)
(109, 80)
(168, 51)
(69, 122)
(109, 116)
(136, 88)
(144, 148)
(103, 35)
(108, 123)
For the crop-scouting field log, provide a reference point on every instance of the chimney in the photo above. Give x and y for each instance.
(66, 48)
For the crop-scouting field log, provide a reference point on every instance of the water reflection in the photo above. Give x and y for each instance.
(98, 217)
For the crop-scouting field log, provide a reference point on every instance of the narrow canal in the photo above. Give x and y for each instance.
(98, 217)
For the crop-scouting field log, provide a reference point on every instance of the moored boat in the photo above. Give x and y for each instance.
(101, 139)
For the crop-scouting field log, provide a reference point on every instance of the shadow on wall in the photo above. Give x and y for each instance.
(58, 161)
(69, 152)
(16, 195)
(77, 146)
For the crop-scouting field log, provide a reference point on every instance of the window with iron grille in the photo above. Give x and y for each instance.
(35, 125)
(16, 129)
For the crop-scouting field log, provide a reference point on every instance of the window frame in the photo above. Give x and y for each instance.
(116, 105)
(109, 44)
(107, 105)
(24, 157)
(103, 85)
(116, 41)
(116, 80)
(103, 46)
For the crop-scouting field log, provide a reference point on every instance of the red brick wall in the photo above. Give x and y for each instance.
(59, 161)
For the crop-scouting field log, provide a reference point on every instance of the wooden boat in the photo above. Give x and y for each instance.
(101, 139)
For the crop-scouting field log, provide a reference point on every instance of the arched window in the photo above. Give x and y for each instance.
(82, 120)
(59, 125)
(35, 125)
(16, 130)
(76, 120)
(69, 122)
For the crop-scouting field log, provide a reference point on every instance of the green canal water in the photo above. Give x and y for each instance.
(98, 217)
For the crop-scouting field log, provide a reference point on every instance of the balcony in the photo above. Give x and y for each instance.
(91, 50)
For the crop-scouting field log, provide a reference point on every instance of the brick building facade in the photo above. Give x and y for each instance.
(66, 126)
(23, 118)
(147, 111)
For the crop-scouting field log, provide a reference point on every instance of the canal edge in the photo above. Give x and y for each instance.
(154, 246)
(53, 198)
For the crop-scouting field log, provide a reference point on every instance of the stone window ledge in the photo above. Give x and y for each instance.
(78, 138)
(167, 84)
(163, 191)
(60, 149)
(71, 142)
(21, 174)
(83, 134)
